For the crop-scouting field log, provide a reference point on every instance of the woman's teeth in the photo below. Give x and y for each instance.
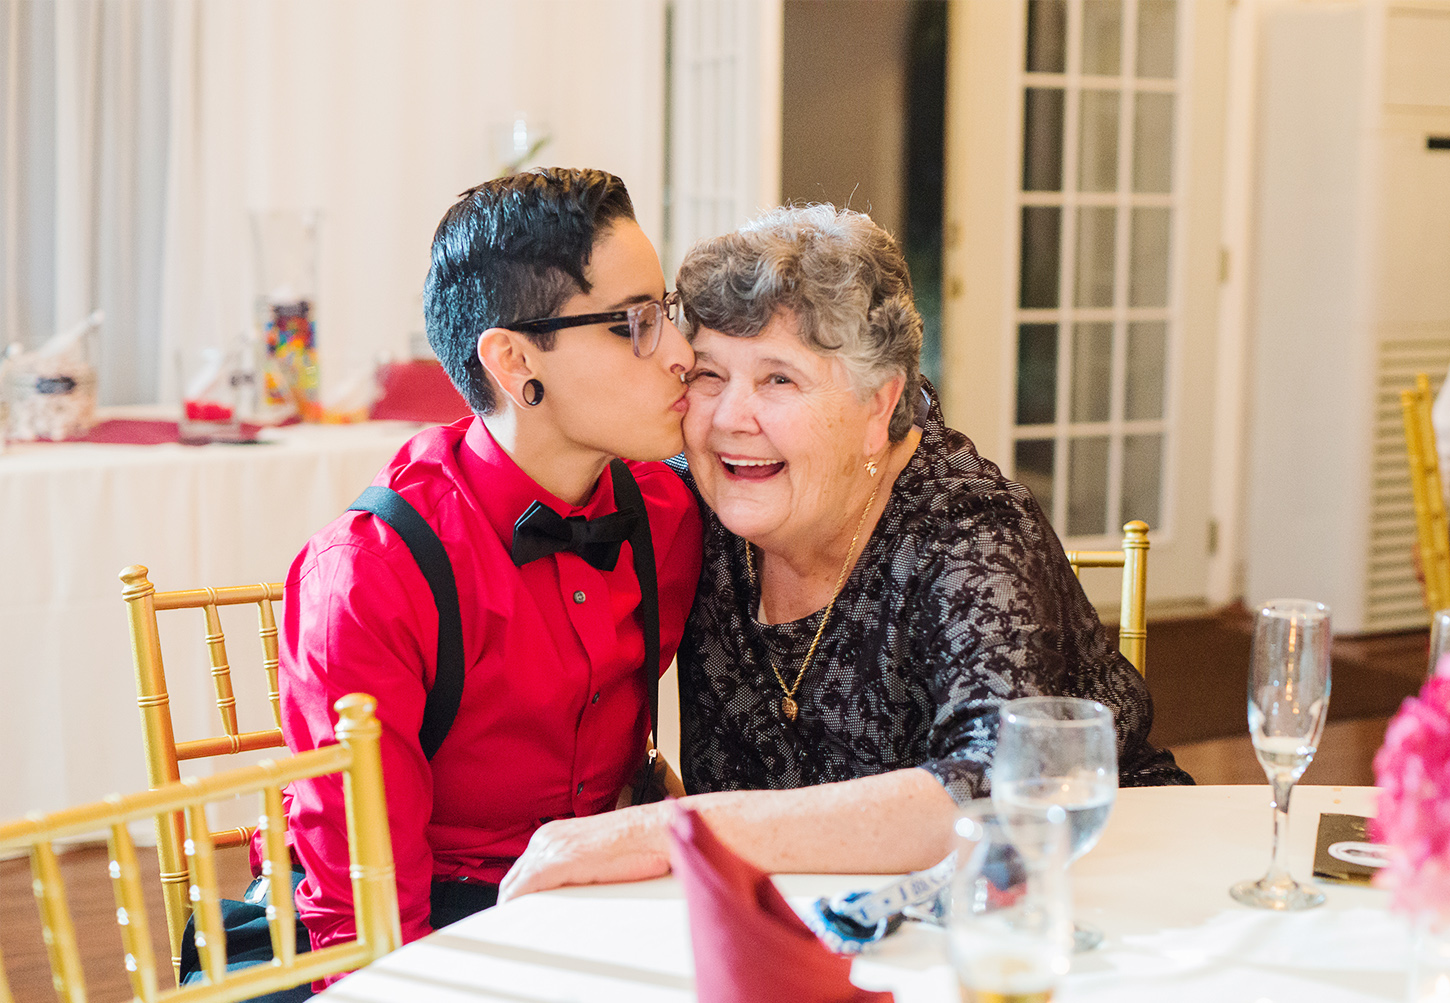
(753, 468)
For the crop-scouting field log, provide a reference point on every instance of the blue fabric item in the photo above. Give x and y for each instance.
(850, 922)
(249, 941)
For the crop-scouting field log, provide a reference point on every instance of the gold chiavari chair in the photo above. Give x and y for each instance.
(1133, 612)
(164, 753)
(374, 892)
(1432, 528)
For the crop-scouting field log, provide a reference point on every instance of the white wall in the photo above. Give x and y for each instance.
(379, 113)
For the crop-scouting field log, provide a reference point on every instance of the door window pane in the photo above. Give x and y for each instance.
(1036, 374)
(1046, 36)
(1092, 371)
(1156, 28)
(1153, 143)
(1102, 37)
(1087, 486)
(1096, 241)
(1142, 478)
(1042, 139)
(1147, 355)
(1041, 250)
(1098, 142)
(1148, 261)
(1032, 468)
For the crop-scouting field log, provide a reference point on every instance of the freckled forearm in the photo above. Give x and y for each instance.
(898, 821)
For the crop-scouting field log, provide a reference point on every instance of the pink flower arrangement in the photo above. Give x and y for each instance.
(1412, 771)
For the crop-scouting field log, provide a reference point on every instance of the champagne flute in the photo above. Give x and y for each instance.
(1288, 701)
(1009, 928)
(1059, 752)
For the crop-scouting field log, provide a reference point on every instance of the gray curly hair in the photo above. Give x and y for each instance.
(842, 276)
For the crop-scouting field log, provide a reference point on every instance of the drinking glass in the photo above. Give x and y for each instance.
(1009, 924)
(1062, 752)
(1288, 700)
(1439, 638)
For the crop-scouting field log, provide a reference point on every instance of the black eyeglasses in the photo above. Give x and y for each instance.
(641, 323)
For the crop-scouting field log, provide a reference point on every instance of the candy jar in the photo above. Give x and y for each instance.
(284, 247)
(50, 392)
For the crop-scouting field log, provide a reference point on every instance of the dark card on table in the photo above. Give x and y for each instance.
(1343, 851)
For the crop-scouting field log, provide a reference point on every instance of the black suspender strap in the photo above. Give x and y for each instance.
(447, 690)
(627, 496)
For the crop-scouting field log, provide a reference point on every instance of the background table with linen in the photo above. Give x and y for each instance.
(72, 515)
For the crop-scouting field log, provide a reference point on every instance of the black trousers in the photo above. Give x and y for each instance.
(453, 900)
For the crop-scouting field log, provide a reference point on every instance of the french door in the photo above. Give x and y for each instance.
(1084, 145)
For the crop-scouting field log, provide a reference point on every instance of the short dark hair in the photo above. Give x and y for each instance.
(512, 249)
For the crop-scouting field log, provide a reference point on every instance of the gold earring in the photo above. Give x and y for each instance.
(871, 467)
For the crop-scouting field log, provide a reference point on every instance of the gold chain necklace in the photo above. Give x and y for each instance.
(788, 706)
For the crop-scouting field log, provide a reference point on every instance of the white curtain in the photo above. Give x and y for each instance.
(138, 134)
(83, 154)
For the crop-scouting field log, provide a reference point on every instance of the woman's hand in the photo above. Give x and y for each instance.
(630, 844)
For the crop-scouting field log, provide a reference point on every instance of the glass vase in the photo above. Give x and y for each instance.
(284, 244)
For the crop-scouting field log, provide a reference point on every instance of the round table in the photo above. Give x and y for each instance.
(1157, 885)
(72, 515)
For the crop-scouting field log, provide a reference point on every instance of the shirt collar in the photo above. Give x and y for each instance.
(503, 490)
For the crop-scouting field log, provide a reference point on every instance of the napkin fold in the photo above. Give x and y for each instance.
(749, 944)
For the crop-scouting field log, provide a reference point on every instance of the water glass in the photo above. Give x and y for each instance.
(1439, 638)
(1288, 702)
(1059, 752)
(1009, 924)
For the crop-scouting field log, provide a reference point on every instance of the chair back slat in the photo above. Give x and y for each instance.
(55, 921)
(163, 752)
(1432, 527)
(221, 670)
(1133, 609)
(267, 632)
(131, 914)
(277, 868)
(206, 905)
(356, 756)
(227, 745)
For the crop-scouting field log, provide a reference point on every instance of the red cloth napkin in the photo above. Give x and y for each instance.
(418, 390)
(132, 432)
(141, 432)
(750, 946)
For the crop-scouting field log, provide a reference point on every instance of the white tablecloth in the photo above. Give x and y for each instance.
(1157, 885)
(72, 515)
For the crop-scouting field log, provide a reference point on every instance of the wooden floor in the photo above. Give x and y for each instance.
(1345, 756)
(93, 909)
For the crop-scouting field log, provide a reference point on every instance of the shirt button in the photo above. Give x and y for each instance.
(578, 597)
(580, 788)
(595, 698)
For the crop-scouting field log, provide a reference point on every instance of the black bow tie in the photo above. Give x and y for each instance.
(541, 531)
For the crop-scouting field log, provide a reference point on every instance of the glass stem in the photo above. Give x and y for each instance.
(1279, 866)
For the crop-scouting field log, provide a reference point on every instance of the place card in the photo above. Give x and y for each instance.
(1343, 851)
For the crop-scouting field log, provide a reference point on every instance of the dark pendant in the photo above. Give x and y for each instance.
(788, 708)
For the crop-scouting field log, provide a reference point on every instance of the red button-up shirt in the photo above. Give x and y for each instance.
(554, 711)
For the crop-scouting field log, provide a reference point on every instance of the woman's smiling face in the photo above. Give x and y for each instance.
(776, 436)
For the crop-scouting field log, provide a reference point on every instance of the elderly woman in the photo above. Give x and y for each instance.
(873, 589)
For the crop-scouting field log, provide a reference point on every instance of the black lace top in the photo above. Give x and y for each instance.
(961, 600)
